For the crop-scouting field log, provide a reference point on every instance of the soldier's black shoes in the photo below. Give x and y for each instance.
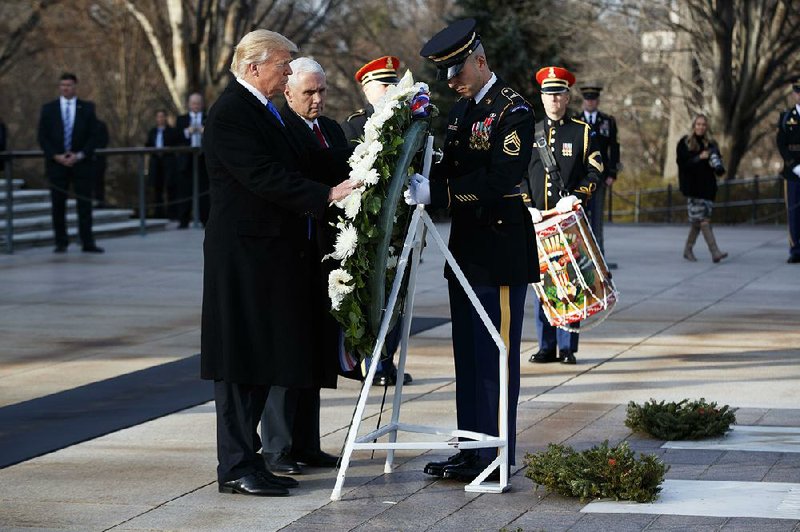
(468, 472)
(794, 259)
(389, 378)
(317, 458)
(460, 458)
(93, 249)
(543, 356)
(282, 463)
(568, 357)
(257, 483)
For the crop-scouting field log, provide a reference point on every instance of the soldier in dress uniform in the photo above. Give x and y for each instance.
(486, 150)
(603, 129)
(789, 146)
(375, 78)
(581, 167)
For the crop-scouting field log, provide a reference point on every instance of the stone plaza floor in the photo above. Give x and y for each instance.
(727, 332)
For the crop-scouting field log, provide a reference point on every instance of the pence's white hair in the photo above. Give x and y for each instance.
(303, 65)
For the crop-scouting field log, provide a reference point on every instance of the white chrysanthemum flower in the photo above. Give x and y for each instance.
(338, 287)
(371, 134)
(373, 150)
(351, 204)
(371, 177)
(358, 152)
(346, 241)
(391, 262)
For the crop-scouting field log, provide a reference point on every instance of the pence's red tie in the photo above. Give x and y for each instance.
(320, 136)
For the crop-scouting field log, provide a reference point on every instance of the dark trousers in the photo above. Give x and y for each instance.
(476, 359)
(185, 189)
(239, 408)
(597, 211)
(162, 170)
(792, 195)
(82, 181)
(99, 165)
(551, 337)
(290, 422)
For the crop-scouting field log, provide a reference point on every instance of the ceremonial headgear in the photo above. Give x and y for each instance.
(383, 69)
(554, 80)
(450, 48)
(591, 91)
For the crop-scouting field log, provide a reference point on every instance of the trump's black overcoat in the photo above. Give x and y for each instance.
(261, 305)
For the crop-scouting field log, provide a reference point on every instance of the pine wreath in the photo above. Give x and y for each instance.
(685, 420)
(601, 472)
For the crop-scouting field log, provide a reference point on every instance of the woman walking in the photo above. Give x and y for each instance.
(699, 165)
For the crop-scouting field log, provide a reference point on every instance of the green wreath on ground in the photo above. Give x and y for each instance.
(684, 420)
(601, 472)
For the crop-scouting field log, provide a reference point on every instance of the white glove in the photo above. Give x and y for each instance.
(536, 214)
(418, 191)
(566, 204)
(796, 170)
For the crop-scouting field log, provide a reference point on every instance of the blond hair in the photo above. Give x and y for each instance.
(256, 47)
(703, 143)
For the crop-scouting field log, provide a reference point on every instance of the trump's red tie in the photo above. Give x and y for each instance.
(320, 136)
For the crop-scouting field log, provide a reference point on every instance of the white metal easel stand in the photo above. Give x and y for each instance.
(413, 248)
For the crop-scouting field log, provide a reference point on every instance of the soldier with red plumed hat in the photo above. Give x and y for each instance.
(581, 167)
(375, 78)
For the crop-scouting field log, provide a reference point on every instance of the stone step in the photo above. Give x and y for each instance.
(100, 230)
(44, 222)
(16, 184)
(39, 208)
(26, 196)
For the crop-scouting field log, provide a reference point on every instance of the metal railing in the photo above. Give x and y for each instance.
(8, 158)
(751, 200)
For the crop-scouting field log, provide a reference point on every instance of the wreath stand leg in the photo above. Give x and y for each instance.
(412, 248)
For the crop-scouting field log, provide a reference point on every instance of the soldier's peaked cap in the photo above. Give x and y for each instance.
(591, 91)
(383, 69)
(554, 80)
(450, 48)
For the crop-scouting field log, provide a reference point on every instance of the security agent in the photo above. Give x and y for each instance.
(486, 150)
(603, 128)
(581, 167)
(789, 146)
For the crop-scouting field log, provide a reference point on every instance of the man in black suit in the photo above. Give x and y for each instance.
(260, 289)
(192, 125)
(162, 166)
(68, 137)
(290, 423)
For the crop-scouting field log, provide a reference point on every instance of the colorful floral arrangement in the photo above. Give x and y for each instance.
(601, 472)
(373, 163)
(685, 420)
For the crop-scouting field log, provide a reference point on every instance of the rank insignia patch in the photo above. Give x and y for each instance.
(596, 160)
(512, 144)
(566, 149)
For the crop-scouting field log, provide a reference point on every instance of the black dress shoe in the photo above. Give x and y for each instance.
(794, 259)
(253, 484)
(468, 472)
(568, 357)
(60, 249)
(284, 482)
(460, 458)
(407, 378)
(543, 356)
(317, 458)
(282, 463)
(93, 249)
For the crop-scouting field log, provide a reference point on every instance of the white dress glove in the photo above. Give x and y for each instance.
(566, 204)
(418, 191)
(536, 214)
(796, 170)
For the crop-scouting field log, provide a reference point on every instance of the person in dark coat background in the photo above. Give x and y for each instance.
(699, 164)
(258, 278)
(163, 167)
(68, 136)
